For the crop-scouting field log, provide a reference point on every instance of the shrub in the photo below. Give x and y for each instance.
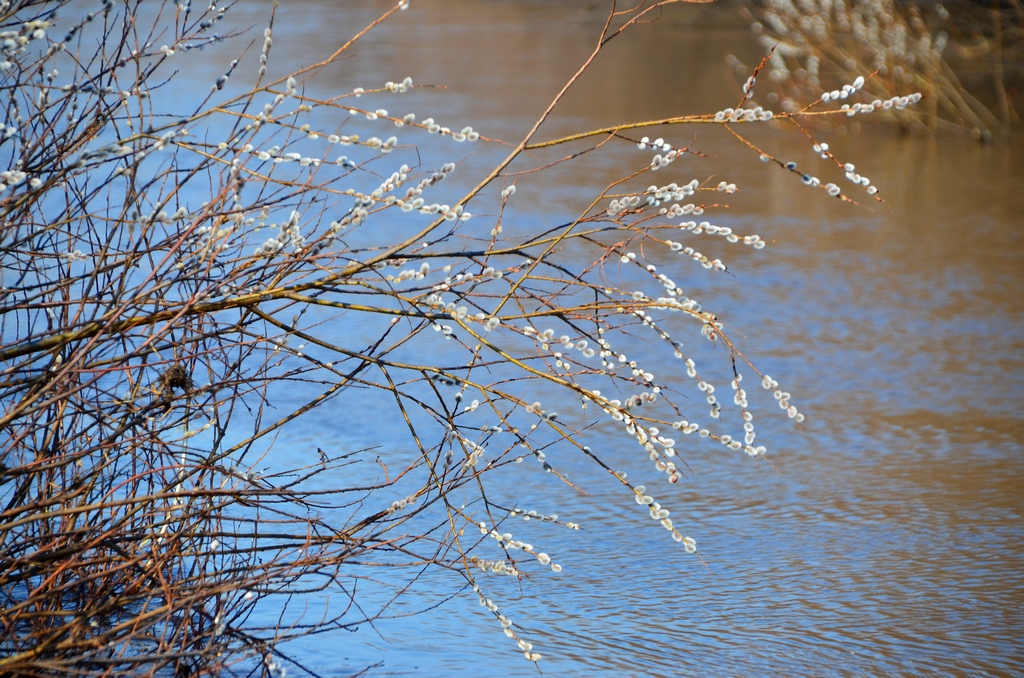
(901, 46)
(186, 281)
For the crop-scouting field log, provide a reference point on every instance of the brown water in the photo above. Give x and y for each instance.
(886, 535)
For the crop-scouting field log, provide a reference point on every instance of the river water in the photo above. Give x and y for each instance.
(885, 535)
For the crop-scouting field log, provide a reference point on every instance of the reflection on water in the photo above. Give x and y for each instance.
(884, 537)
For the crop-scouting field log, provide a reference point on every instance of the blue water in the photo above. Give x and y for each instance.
(880, 537)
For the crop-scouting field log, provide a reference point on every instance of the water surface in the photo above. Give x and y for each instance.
(884, 536)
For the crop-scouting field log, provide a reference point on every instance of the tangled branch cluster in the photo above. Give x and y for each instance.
(179, 289)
